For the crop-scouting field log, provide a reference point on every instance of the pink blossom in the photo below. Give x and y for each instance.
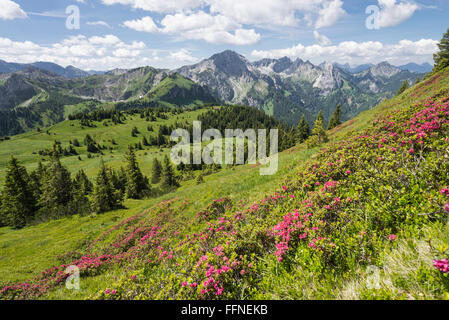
(445, 191)
(392, 237)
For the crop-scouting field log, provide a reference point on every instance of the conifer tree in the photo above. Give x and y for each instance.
(18, 203)
(405, 85)
(441, 58)
(105, 197)
(157, 171)
(168, 174)
(318, 129)
(135, 181)
(36, 177)
(82, 182)
(57, 189)
(335, 120)
(303, 130)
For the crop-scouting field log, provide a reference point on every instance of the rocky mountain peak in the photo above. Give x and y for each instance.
(384, 69)
(230, 63)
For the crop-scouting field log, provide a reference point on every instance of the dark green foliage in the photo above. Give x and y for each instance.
(134, 132)
(136, 183)
(105, 196)
(405, 85)
(319, 135)
(442, 57)
(335, 120)
(168, 175)
(303, 130)
(57, 189)
(156, 172)
(82, 182)
(18, 202)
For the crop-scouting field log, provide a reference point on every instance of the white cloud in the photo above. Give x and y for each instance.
(146, 24)
(94, 53)
(321, 39)
(9, 10)
(393, 12)
(230, 21)
(183, 56)
(330, 13)
(160, 6)
(198, 26)
(352, 52)
(99, 23)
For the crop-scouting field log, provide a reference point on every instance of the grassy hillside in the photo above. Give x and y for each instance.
(352, 220)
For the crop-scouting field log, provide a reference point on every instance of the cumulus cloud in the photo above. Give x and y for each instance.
(92, 53)
(146, 24)
(394, 12)
(198, 26)
(330, 13)
(230, 21)
(359, 52)
(9, 10)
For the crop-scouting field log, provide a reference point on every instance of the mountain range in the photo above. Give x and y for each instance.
(41, 93)
(287, 88)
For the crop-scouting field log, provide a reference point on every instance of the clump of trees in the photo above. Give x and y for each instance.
(50, 192)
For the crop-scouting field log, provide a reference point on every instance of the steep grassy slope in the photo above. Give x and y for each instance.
(351, 221)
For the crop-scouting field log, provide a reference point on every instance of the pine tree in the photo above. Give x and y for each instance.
(318, 129)
(57, 189)
(335, 120)
(105, 197)
(441, 58)
(145, 141)
(18, 202)
(36, 177)
(418, 80)
(303, 130)
(168, 174)
(136, 183)
(405, 85)
(157, 171)
(82, 182)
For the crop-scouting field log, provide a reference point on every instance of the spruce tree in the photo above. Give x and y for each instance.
(168, 174)
(157, 171)
(135, 181)
(405, 85)
(82, 182)
(441, 58)
(57, 189)
(318, 129)
(105, 197)
(303, 130)
(335, 120)
(18, 202)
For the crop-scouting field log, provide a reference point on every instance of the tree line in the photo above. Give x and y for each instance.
(50, 192)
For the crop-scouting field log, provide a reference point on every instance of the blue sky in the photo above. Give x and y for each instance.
(172, 33)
